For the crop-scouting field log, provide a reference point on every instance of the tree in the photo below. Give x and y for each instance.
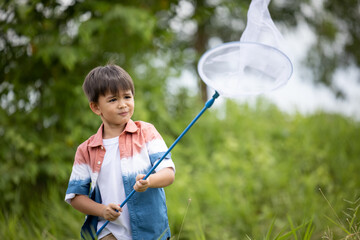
(203, 24)
(335, 23)
(46, 50)
(47, 47)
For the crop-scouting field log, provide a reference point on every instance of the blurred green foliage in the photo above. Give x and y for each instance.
(247, 169)
(258, 164)
(252, 168)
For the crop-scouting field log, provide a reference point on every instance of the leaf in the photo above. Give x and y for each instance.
(68, 57)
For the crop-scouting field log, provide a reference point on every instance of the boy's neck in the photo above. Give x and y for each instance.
(112, 131)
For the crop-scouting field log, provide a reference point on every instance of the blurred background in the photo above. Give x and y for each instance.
(284, 165)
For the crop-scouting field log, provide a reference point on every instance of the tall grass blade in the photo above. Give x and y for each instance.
(331, 207)
(292, 228)
(268, 234)
(163, 233)
(292, 232)
(309, 230)
(182, 224)
(354, 216)
(339, 225)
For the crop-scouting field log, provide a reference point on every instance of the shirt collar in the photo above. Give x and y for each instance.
(130, 127)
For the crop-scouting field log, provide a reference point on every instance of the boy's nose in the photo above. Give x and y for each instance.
(121, 104)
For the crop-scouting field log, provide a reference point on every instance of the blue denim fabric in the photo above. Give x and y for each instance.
(147, 210)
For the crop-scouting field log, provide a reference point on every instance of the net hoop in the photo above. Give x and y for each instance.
(236, 69)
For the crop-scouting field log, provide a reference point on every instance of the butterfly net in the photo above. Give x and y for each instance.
(256, 64)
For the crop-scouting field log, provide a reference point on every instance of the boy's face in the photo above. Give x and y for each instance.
(115, 110)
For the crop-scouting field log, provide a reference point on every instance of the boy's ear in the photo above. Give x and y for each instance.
(95, 108)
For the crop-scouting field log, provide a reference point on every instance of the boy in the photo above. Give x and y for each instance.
(111, 163)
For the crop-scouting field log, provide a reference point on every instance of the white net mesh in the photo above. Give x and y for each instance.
(252, 66)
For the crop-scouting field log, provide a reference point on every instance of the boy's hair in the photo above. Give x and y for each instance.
(103, 79)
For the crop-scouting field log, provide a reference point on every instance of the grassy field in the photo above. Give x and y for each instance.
(254, 173)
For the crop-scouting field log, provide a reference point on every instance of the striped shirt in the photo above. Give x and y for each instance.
(140, 147)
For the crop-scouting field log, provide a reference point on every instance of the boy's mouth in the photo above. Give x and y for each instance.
(123, 113)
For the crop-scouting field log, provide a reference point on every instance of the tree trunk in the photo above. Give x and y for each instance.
(201, 40)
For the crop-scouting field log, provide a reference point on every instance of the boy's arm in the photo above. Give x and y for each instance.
(162, 178)
(87, 206)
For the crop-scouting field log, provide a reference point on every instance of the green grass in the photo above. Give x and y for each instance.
(50, 218)
(253, 174)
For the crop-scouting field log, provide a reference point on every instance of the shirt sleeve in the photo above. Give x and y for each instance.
(166, 163)
(80, 178)
(157, 149)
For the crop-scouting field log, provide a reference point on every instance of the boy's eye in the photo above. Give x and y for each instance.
(112, 100)
(128, 96)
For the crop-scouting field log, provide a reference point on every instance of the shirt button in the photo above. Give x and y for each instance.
(99, 162)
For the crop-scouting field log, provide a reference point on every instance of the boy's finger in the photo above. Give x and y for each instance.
(140, 176)
(142, 182)
(115, 206)
(114, 214)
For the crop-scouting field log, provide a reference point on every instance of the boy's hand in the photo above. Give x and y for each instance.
(141, 185)
(110, 213)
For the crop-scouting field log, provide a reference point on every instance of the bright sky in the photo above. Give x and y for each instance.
(299, 94)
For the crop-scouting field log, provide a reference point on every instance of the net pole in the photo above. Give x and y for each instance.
(208, 104)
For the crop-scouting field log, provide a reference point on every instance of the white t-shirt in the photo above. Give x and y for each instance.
(111, 188)
(112, 191)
